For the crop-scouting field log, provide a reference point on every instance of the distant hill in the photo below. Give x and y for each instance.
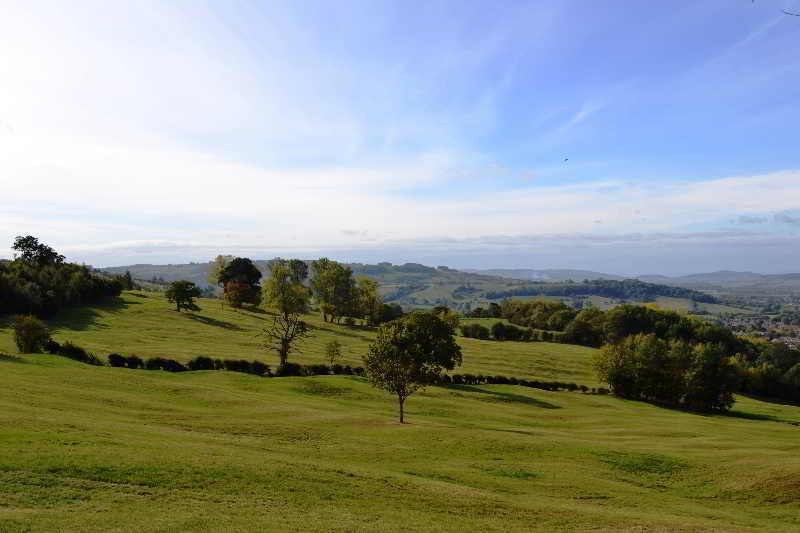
(548, 274)
(414, 285)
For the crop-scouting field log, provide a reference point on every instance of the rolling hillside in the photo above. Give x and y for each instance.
(418, 286)
(146, 325)
(97, 448)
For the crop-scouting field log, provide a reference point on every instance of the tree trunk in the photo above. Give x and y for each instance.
(400, 400)
(178, 305)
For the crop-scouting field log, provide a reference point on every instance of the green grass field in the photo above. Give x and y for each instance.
(145, 324)
(102, 449)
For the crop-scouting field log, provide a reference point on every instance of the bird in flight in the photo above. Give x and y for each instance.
(790, 13)
(566, 159)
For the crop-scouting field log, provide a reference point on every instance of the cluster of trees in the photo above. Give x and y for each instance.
(675, 373)
(39, 282)
(629, 289)
(769, 369)
(759, 367)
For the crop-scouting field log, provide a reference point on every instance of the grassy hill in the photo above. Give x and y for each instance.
(95, 449)
(98, 449)
(145, 324)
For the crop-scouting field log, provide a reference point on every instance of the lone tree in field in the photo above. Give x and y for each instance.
(410, 353)
(285, 292)
(333, 352)
(183, 293)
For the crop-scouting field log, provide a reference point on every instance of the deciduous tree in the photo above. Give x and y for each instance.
(410, 353)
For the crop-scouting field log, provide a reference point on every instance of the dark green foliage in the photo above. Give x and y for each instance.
(240, 279)
(289, 369)
(201, 363)
(30, 334)
(629, 289)
(159, 363)
(389, 312)
(42, 288)
(182, 293)
(475, 331)
(133, 361)
(75, 352)
(410, 353)
(30, 250)
(117, 360)
(316, 370)
(676, 373)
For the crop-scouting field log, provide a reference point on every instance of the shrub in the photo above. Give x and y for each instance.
(78, 354)
(201, 363)
(289, 369)
(30, 334)
(358, 371)
(337, 369)
(259, 369)
(116, 360)
(52, 346)
(348, 370)
(317, 370)
(238, 365)
(133, 361)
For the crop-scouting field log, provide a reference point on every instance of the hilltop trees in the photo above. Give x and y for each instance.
(409, 353)
(39, 282)
(182, 293)
(334, 288)
(369, 300)
(240, 279)
(29, 249)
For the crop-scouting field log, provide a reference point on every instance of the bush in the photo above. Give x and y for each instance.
(30, 334)
(358, 371)
(52, 346)
(116, 360)
(201, 363)
(317, 370)
(337, 369)
(78, 354)
(289, 369)
(236, 365)
(259, 369)
(134, 362)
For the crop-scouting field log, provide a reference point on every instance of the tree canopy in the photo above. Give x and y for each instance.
(182, 293)
(410, 353)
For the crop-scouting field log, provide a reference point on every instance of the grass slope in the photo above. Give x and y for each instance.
(145, 324)
(96, 449)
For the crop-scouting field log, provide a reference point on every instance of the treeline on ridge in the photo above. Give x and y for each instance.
(38, 281)
(629, 289)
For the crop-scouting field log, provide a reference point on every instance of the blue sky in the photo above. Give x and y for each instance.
(434, 132)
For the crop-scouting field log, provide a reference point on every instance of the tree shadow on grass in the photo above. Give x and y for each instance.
(208, 321)
(339, 332)
(760, 416)
(81, 318)
(11, 359)
(504, 396)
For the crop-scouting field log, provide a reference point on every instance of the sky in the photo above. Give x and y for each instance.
(625, 137)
